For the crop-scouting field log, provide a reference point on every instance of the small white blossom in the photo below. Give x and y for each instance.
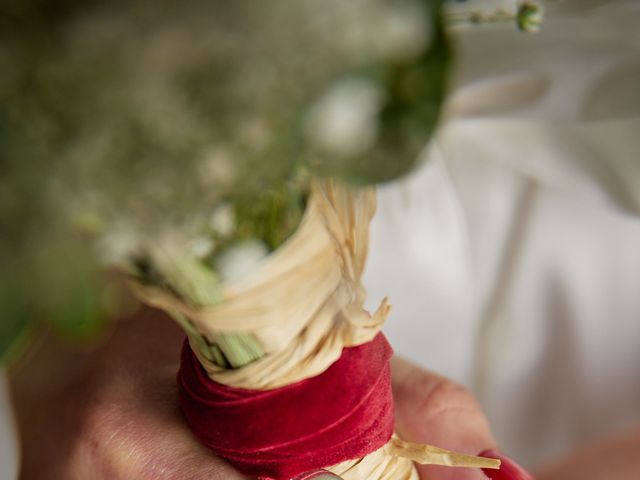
(202, 246)
(118, 246)
(240, 259)
(216, 166)
(344, 121)
(405, 30)
(223, 220)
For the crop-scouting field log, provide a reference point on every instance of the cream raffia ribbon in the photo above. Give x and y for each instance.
(304, 304)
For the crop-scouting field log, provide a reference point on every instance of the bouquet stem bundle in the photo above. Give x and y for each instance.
(302, 309)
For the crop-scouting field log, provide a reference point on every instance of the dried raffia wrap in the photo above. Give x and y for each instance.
(304, 306)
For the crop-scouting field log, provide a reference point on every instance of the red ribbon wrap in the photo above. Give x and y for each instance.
(342, 414)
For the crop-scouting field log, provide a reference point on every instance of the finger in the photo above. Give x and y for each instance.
(432, 409)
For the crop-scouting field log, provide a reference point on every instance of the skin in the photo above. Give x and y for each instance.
(435, 410)
(110, 411)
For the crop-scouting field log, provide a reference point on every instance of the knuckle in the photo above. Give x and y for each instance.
(101, 440)
(449, 405)
(118, 441)
(445, 395)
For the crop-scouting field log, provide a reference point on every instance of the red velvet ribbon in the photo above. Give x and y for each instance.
(342, 414)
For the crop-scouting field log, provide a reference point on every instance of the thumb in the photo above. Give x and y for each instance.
(434, 410)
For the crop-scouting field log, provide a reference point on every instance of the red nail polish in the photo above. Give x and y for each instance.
(509, 470)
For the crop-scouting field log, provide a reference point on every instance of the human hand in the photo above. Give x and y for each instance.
(112, 412)
(434, 410)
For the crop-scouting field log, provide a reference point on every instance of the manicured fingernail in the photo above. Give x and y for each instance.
(318, 475)
(509, 470)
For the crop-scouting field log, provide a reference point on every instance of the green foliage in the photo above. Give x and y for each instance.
(125, 124)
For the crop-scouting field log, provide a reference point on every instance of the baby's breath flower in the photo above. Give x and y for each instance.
(237, 260)
(405, 30)
(344, 121)
(201, 247)
(223, 220)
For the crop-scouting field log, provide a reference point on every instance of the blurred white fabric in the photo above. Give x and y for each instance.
(512, 256)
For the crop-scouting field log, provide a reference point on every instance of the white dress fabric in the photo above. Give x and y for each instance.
(512, 257)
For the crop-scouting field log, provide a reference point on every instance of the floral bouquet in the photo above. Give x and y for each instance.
(220, 156)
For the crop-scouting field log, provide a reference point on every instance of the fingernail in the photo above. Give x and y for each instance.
(509, 470)
(318, 475)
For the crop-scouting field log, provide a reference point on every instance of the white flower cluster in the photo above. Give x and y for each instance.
(181, 105)
(136, 121)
